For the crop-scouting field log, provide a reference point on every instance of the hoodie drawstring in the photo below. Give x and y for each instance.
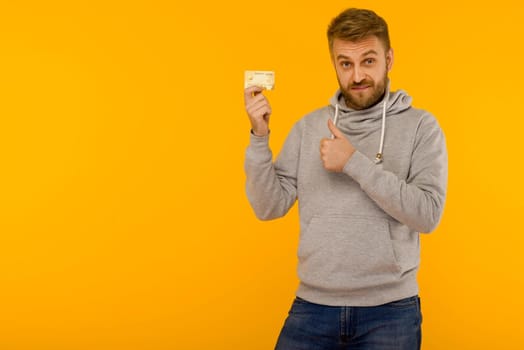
(335, 119)
(378, 157)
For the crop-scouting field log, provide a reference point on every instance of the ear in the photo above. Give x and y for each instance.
(389, 59)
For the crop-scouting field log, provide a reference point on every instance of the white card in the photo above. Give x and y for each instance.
(265, 79)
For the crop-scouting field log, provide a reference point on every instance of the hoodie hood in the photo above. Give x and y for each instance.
(351, 119)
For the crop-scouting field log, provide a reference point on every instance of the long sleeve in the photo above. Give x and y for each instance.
(272, 187)
(418, 201)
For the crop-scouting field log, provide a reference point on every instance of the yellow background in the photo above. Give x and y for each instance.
(123, 218)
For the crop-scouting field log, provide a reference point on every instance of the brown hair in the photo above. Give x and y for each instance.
(356, 24)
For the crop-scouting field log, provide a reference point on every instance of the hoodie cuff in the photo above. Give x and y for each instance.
(258, 149)
(359, 167)
(255, 139)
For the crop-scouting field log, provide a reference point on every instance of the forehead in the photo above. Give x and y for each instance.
(355, 49)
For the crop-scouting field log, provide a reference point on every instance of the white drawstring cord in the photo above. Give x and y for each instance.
(378, 158)
(335, 119)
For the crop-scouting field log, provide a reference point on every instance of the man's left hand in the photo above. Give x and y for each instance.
(335, 152)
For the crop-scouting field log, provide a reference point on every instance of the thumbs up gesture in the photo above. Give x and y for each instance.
(335, 152)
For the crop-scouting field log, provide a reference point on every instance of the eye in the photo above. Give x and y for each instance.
(345, 64)
(369, 61)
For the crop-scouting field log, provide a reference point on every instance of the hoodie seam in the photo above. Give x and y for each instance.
(414, 140)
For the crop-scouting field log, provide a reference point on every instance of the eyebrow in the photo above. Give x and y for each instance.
(367, 53)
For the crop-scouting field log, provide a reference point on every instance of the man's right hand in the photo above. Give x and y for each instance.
(258, 110)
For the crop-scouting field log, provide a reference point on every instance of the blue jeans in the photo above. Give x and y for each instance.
(392, 326)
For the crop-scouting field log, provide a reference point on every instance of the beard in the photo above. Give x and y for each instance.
(357, 100)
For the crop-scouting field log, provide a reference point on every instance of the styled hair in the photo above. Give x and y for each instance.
(356, 24)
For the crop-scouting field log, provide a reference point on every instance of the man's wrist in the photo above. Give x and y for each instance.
(259, 135)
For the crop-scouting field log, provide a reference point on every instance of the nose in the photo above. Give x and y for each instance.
(358, 74)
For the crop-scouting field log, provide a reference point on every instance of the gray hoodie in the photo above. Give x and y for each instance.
(359, 229)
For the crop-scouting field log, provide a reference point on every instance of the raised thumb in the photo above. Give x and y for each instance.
(334, 130)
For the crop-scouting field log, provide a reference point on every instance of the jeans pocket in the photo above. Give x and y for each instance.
(301, 307)
(405, 303)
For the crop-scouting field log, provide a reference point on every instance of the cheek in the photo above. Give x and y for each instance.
(379, 74)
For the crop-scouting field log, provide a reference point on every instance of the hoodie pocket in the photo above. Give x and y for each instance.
(347, 252)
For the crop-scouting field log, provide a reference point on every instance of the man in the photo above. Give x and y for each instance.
(370, 173)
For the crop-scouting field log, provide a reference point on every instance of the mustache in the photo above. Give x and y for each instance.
(362, 83)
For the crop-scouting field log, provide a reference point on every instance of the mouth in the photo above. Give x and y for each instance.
(360, 87)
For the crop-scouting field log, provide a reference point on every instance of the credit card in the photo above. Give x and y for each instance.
(262, 78)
